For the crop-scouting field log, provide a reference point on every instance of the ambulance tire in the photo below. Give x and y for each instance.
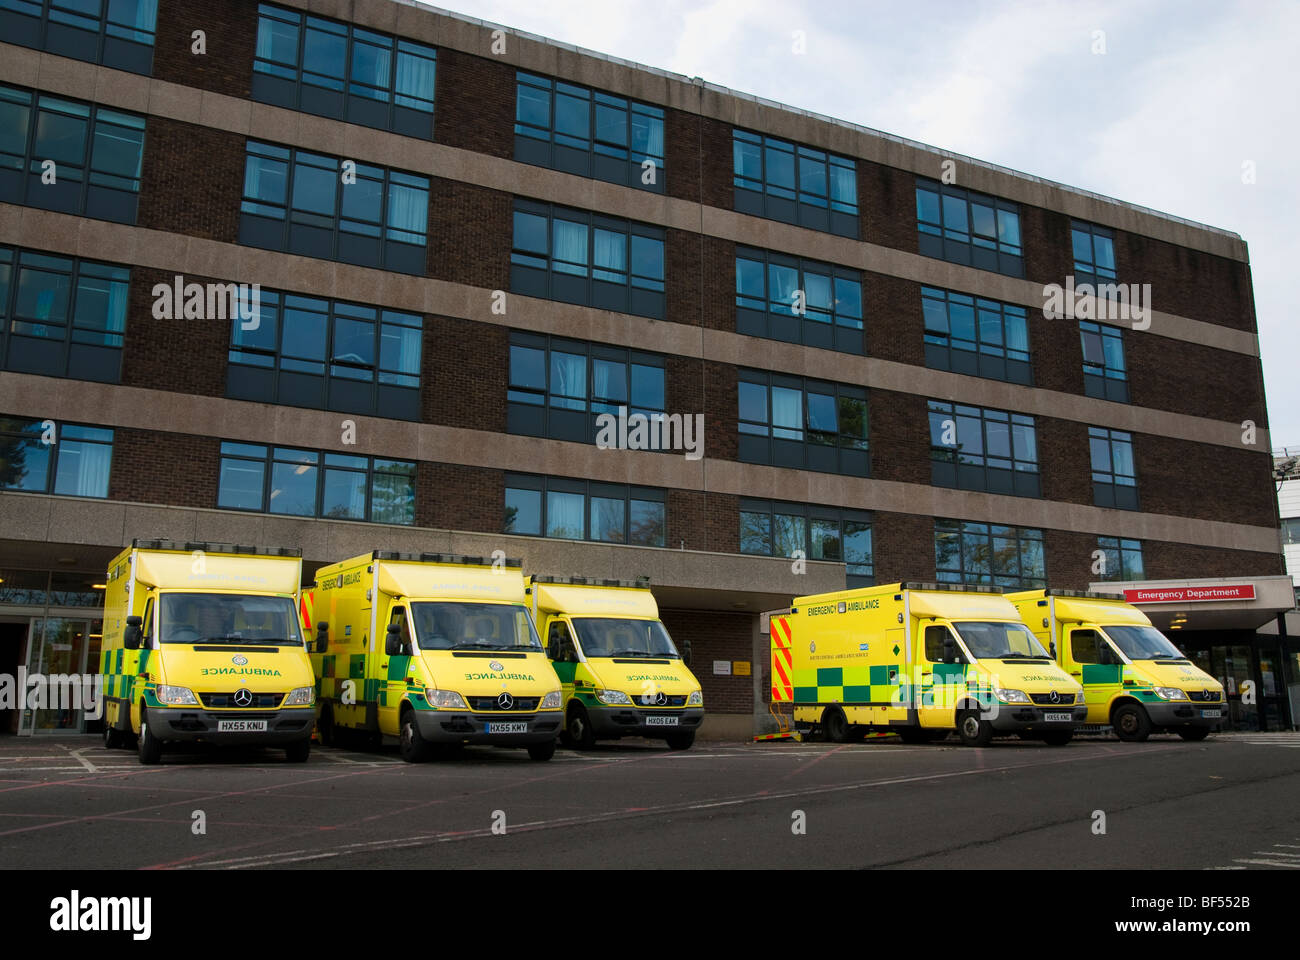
(973, 730)
(413, 747)
(149, 746)
(541, 752)
(835, 725)
(1058, 738)
(1130, 722)
(325, 727)
(1194, 734)
(578, 728)
(298, 752)
(680, 741)
(112, 737)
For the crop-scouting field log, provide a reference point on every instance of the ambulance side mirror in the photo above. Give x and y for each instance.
(686, 652)
(1051, 648)
(553, 650)
(133, 633)
(1105, 656)
(949, 650)
(393, 642)
(322, 637)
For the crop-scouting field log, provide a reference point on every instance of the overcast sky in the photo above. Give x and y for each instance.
(1185, 94)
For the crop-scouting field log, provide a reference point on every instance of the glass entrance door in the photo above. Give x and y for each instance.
(56, 646)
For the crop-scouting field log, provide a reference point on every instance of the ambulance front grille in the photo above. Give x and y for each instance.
(491, 703)
(220, 701)
(676, 700)
(1203, 696)
(1045, 699)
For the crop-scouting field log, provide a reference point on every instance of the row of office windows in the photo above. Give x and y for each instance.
(346, 72)
(75, 460)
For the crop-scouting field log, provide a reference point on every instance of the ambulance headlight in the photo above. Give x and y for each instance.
(175, 696)
(1012, 696)
(612, 697)
(1170, 693)
(301, 697)
(552, 700)
(696, 699)
(445, 699)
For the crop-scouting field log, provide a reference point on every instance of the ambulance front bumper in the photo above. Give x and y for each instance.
(1023, 718)
(1182, 713)
(286, 725)
(626, 721)
(501, 729)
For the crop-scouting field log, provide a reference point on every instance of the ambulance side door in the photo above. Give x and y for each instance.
(563, 654)
(393, 670)
(941, 682)
(1092, 662)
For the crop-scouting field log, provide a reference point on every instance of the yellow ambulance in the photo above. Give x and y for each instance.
(920, 660)
(202, 643)
(622, 674)
(1135, 680)
(437, 650)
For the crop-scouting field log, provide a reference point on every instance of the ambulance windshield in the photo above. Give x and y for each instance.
(1143, 643)
(610, 637)
(474, 626)
(1000, 641)
(227, 618)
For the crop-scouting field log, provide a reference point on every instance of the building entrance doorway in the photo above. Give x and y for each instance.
(13, 651)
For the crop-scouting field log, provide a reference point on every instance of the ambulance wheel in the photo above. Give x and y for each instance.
(835, 725)
(112, 737)
(579, 729)
(150, 747)
(1058, 738)
(1131, 722)
(974, 731)
(413, 747)
(325, 726)
(1194, 734)
(541, 752)
(298, 752)
(681, 741)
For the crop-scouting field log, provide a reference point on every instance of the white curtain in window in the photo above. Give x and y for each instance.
(408, 211)
(83, 469)
(564, 515)
(570, 241)
(787, 413)
(610, 250)
(414, 79)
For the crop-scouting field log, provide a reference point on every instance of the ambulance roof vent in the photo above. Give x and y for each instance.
(1081, 594)
(638, 583)
(956, 587)
(190, 546)
(445, 558)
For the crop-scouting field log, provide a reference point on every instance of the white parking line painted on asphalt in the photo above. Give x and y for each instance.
(1271, 863)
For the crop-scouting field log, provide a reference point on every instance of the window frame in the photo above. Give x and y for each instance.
(600, 159)
(274, 455)
(1123, 549)
(857, 574)
(1091, 270)
(88, 187)
(985, 359)
(547, 414)
(534, 272)
(290, 225)
(345, 95)
(62, 446)
(758, 440)
(1104, 380)
(984, 251)
(988, 532)
(283, 378)
(1112, 492)
(114, 44)
(75, 354)
(971, 470)
(800, 203)
(589, 490)
(773, 318)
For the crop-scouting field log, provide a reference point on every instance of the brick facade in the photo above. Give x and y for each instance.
(716, 636)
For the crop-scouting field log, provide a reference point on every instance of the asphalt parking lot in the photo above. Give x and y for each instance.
(1226, 803)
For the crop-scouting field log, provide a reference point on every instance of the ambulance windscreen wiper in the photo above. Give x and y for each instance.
(632, 653)
(477, 644)
(271, 641)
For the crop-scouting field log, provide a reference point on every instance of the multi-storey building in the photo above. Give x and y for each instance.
(469, 243)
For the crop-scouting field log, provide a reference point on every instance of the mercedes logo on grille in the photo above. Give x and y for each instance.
(1054, 697)
(239, 659)
(242, 698)
(505, 701)
(661, 699)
